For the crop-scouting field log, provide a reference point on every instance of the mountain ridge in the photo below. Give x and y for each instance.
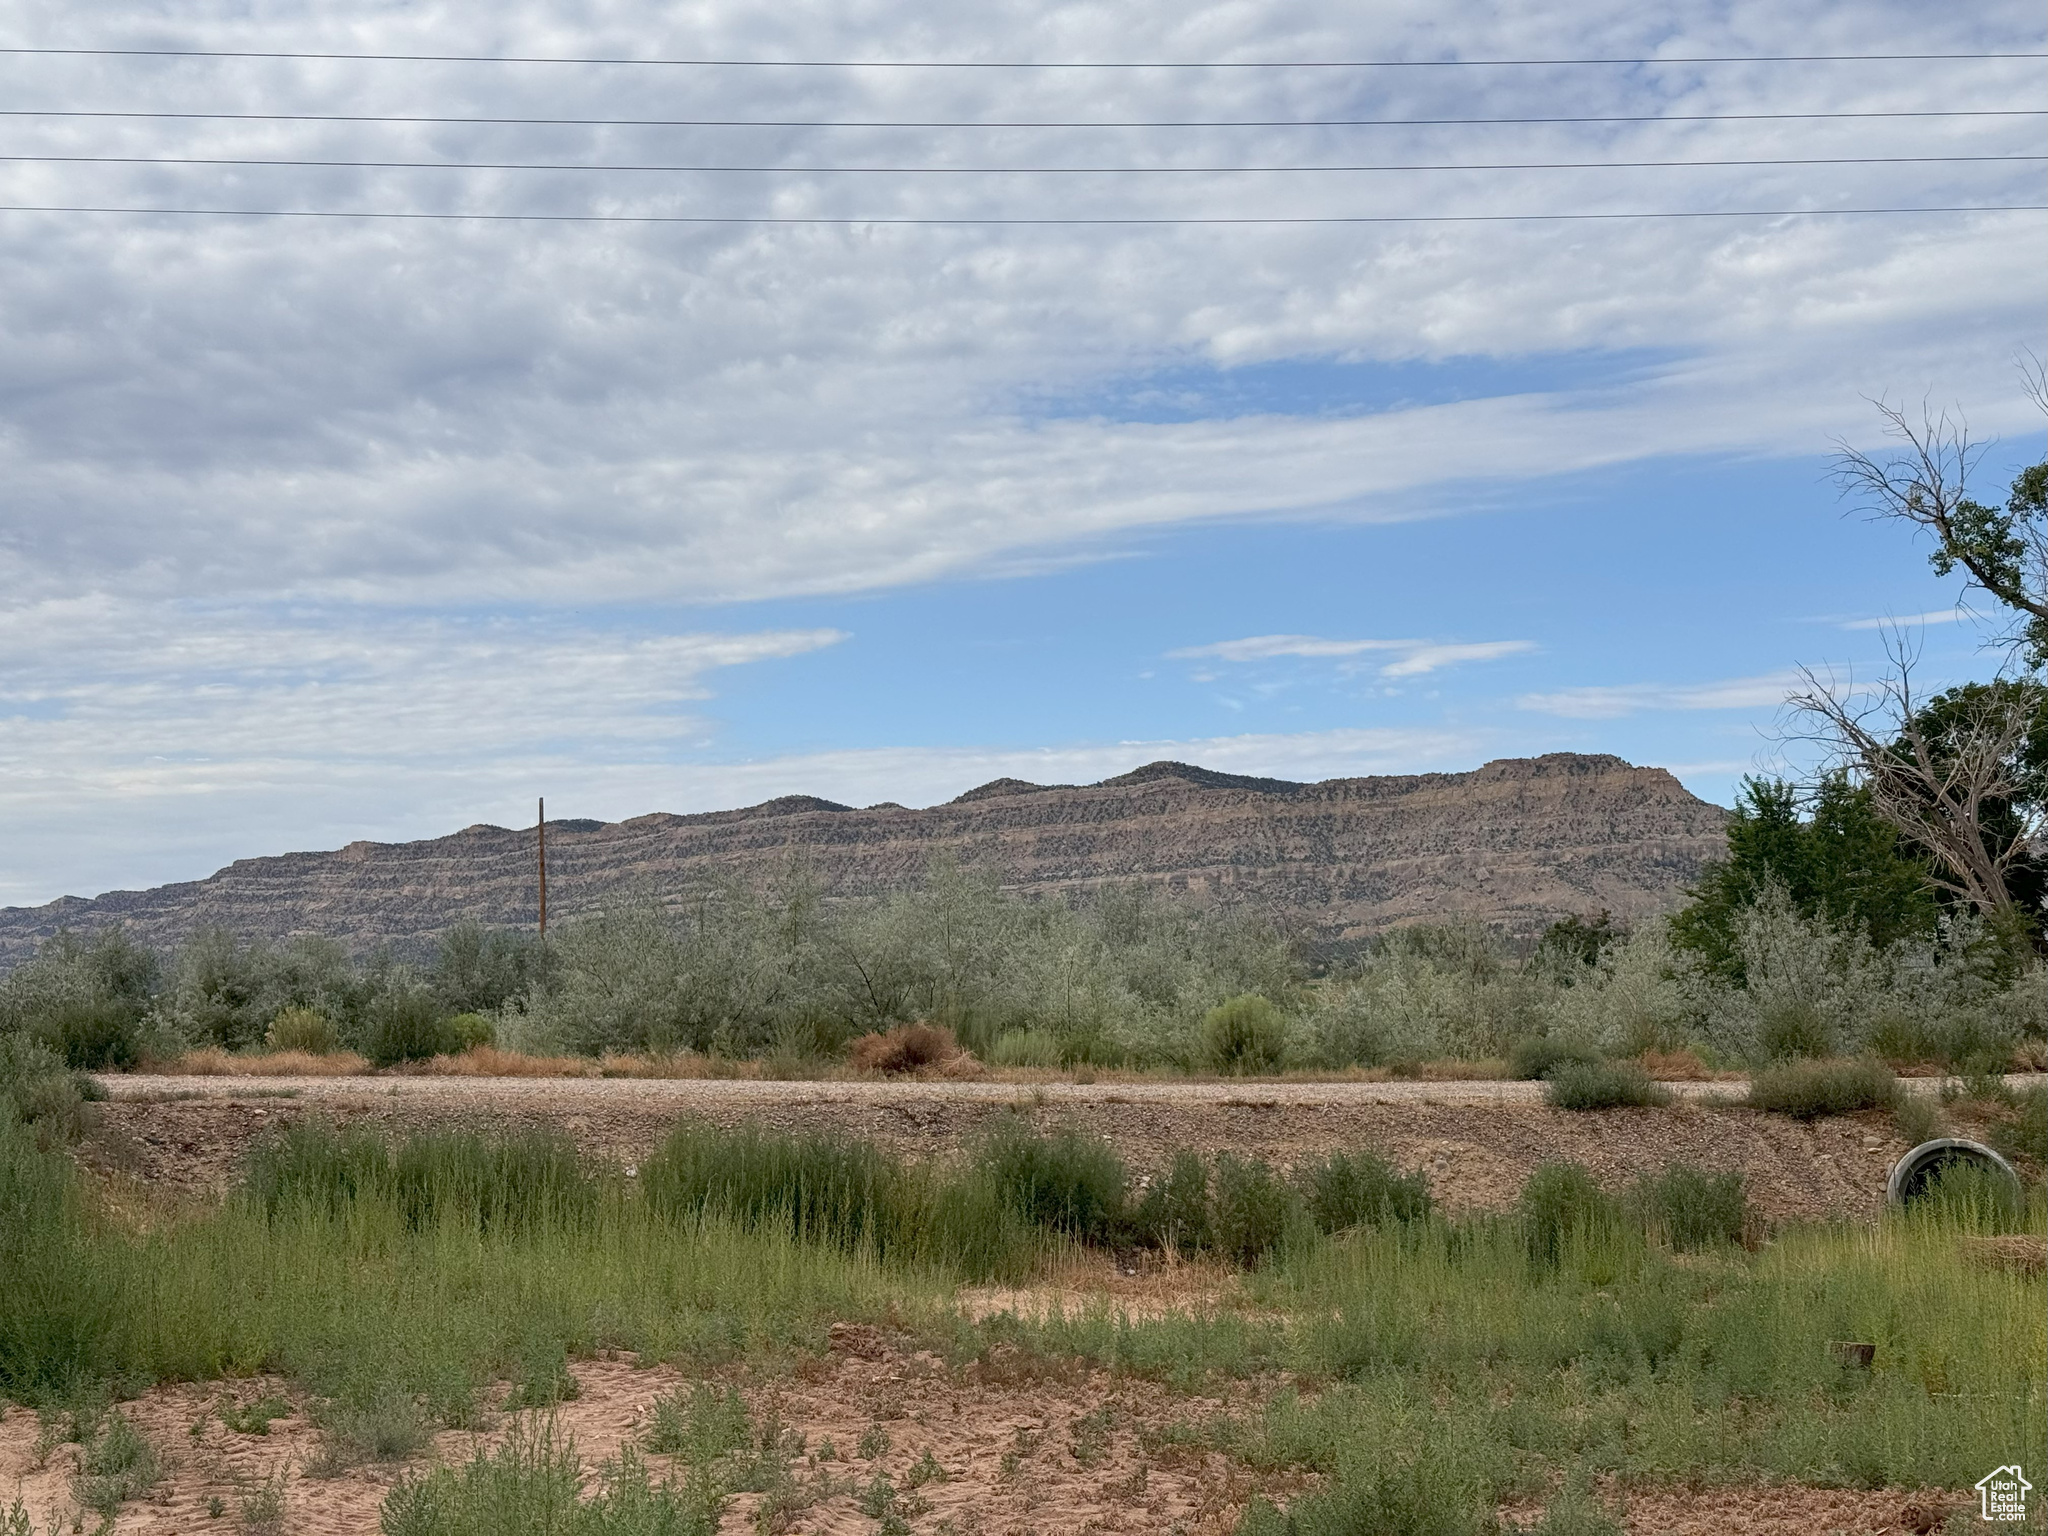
(1516, 842)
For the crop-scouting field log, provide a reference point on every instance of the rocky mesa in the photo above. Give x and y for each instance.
(1516, 843)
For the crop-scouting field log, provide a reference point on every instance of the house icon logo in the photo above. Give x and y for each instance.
(2004, 1494)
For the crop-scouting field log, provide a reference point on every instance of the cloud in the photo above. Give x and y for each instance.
(1938, 616)
(1416, 657)
(1428, 658)
(565, 414)
(1611, 703)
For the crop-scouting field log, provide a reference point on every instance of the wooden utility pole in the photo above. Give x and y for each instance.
(543, 831)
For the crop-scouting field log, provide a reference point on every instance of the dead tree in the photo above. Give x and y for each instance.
(1951, 784)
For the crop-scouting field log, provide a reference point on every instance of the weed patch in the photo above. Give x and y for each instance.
(1809, 1090)
(1602, 1085)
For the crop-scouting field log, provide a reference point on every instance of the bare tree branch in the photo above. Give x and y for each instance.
(2004, 550)
(1938, 783)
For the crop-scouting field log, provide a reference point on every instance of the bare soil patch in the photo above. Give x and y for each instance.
(1017, 1451)
(1476, 1141)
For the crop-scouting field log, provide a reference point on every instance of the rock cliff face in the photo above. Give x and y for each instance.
(1518, 843)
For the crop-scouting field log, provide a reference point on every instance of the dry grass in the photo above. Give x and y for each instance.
(215, 1062)
(489, 1061)
(1682, 1067)
(913, 1050)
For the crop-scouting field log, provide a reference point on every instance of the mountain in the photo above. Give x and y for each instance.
(1517, 843)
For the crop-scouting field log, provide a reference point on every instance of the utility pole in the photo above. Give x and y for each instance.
(542, 829)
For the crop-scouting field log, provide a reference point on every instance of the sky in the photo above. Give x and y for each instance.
(323, 528)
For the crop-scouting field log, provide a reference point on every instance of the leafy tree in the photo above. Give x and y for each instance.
(1834, 857)
(2002, 549)
(1574, 944)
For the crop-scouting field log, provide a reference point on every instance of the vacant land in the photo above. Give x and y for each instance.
(881, 1308)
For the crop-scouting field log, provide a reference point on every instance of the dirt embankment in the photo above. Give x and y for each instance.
(1477, 1142)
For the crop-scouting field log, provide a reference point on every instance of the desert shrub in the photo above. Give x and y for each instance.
(479, 970)
(1069, 1182)
(822, 1188)
(1362, 1190)
(1251, 1210)
(93, 1033)
(408, 1024)
(1561, 1206)
(701, 1425)
(118, 1465)
(1244, 1035)
(1633, 1000)
(470, 1031)
(906, 1048)
(1808, 1090)
(516, 1180)
(1534, 1056)
(1174, 1210)
(1793, 1027)
(1431, 1495)
(519, 1179)
(1427, 991)
(530, 1485)
(42, 1093)
(61, 1314)
(1603, 1085)
(1025, 1048)
(1692, 1209)
(302, 1029)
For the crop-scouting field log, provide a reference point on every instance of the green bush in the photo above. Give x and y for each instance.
(1562, 1206)
(1429, 1496)
(302, 1029)
(1537, 1056)
(529, 1486)
(1603, 1085)
(1251, 1210)
(1790, 1028)
(520, 1179)
(118, 1465)
(1174, 1211)
(1025, 1048)
(823, 1189)
(467, 1030)
(408, 1024)
(1069, 1182)
(1808, 1090)
(1362, 1190)
(1243, 1036)
(41, 1093)
(1692, 1209)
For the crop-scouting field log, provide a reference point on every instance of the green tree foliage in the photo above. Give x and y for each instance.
(1834, 858)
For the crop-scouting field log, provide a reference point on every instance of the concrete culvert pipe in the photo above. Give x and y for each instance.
(1913, 1173)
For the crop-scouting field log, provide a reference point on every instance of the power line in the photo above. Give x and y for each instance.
(773, 219)
(752, 122)
(1006, 170)
(988, 64)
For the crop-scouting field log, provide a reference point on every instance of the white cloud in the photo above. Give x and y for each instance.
(1415, 658)
(1611, 703)
(1907, 621)
(567, 414)
(1428, 658)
